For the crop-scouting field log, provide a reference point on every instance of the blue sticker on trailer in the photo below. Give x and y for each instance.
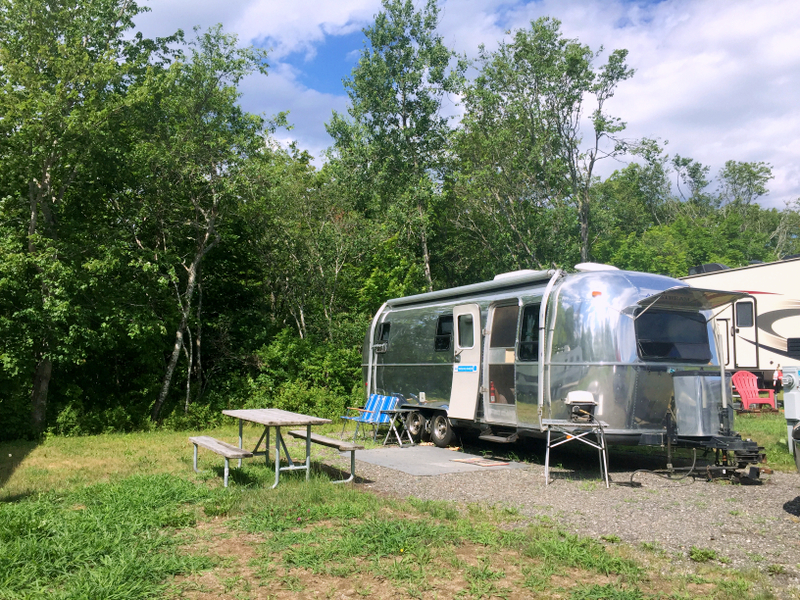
(465, 368)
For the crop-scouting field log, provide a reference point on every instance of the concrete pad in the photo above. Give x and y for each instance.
(430, 460)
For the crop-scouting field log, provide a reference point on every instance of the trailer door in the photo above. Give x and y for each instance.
(745, 340)
(466, 361)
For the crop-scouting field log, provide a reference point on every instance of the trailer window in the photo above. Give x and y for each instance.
(744, 314)
(504, 327)
(444, 333)
(529, 334)
(466, 331)
(673, 336)
(383, 333)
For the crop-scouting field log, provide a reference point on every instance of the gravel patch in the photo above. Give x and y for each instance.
(751, 526)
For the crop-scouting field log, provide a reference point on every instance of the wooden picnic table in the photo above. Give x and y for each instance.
(277, 418)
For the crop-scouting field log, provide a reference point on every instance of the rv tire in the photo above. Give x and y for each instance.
(797, 455)
(441, 432)
(417, 426)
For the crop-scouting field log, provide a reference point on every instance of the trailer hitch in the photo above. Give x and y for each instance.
(751, 477)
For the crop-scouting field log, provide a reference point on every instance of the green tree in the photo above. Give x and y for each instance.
(787, 234)
(691, 180)
(522, 159)
(310, 241)
(396, 138)
(68, 76)
(743, 183)
(631, 201)
(191, 162)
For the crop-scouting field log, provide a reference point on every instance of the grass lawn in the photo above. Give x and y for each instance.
(769, 430)
(124, 516)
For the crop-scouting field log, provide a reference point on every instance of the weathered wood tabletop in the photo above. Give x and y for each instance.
(275, 417)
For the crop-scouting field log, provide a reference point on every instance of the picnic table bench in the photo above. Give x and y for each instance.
(228, 451)
(341, 445)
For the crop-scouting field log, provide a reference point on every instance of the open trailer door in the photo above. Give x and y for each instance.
(466, 361)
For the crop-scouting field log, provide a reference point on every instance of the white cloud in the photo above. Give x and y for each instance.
(719, 79)
(166, 16)
(299, 25)
(309, 110)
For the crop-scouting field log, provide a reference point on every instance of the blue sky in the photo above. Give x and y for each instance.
(333, 60)
(718, 79)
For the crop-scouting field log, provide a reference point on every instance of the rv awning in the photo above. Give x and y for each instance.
(685, 298)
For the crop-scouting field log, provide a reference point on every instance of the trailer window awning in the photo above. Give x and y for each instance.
(685, 298)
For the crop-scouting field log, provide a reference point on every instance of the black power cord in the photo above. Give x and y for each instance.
(668, 476)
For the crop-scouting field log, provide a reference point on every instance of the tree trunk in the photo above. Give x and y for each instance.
(186, 307)
(198, 364)
(44, 366)
(583, 215)
(426, 256)
(41, 383)
(188, 350)
(173, 361)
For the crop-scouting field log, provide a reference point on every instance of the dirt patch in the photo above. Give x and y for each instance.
(245, 568)
(232, 551)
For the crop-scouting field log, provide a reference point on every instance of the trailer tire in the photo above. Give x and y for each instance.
(797, 455)
(796, 441)
(417, 424)
(441, 432)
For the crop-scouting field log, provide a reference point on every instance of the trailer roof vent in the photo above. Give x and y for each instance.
(514, 274)
(589, 267)
(707, 268)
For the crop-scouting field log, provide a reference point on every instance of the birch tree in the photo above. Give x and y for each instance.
(191, 162)
(523, 157)
(396, 136)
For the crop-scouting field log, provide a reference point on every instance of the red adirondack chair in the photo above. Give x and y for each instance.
(747, 385)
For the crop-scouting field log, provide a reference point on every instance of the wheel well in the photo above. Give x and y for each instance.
(429, 413)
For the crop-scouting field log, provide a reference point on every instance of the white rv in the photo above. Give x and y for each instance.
(761, 332)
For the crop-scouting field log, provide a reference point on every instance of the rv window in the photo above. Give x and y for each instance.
(466, 333)
(672, 336)
(504, 327)
(529, 335)
(744, 314)
(383, 333)
(444, 333)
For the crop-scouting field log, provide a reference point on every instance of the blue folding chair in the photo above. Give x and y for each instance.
(373, 402)
(371, 414)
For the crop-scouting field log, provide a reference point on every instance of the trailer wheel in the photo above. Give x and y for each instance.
(797, 455)
(441, 432)
(796, 441)
(416, 425)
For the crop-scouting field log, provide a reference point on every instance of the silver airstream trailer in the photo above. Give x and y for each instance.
(504, 355)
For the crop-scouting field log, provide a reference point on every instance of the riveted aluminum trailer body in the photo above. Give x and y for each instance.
(503, 355)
